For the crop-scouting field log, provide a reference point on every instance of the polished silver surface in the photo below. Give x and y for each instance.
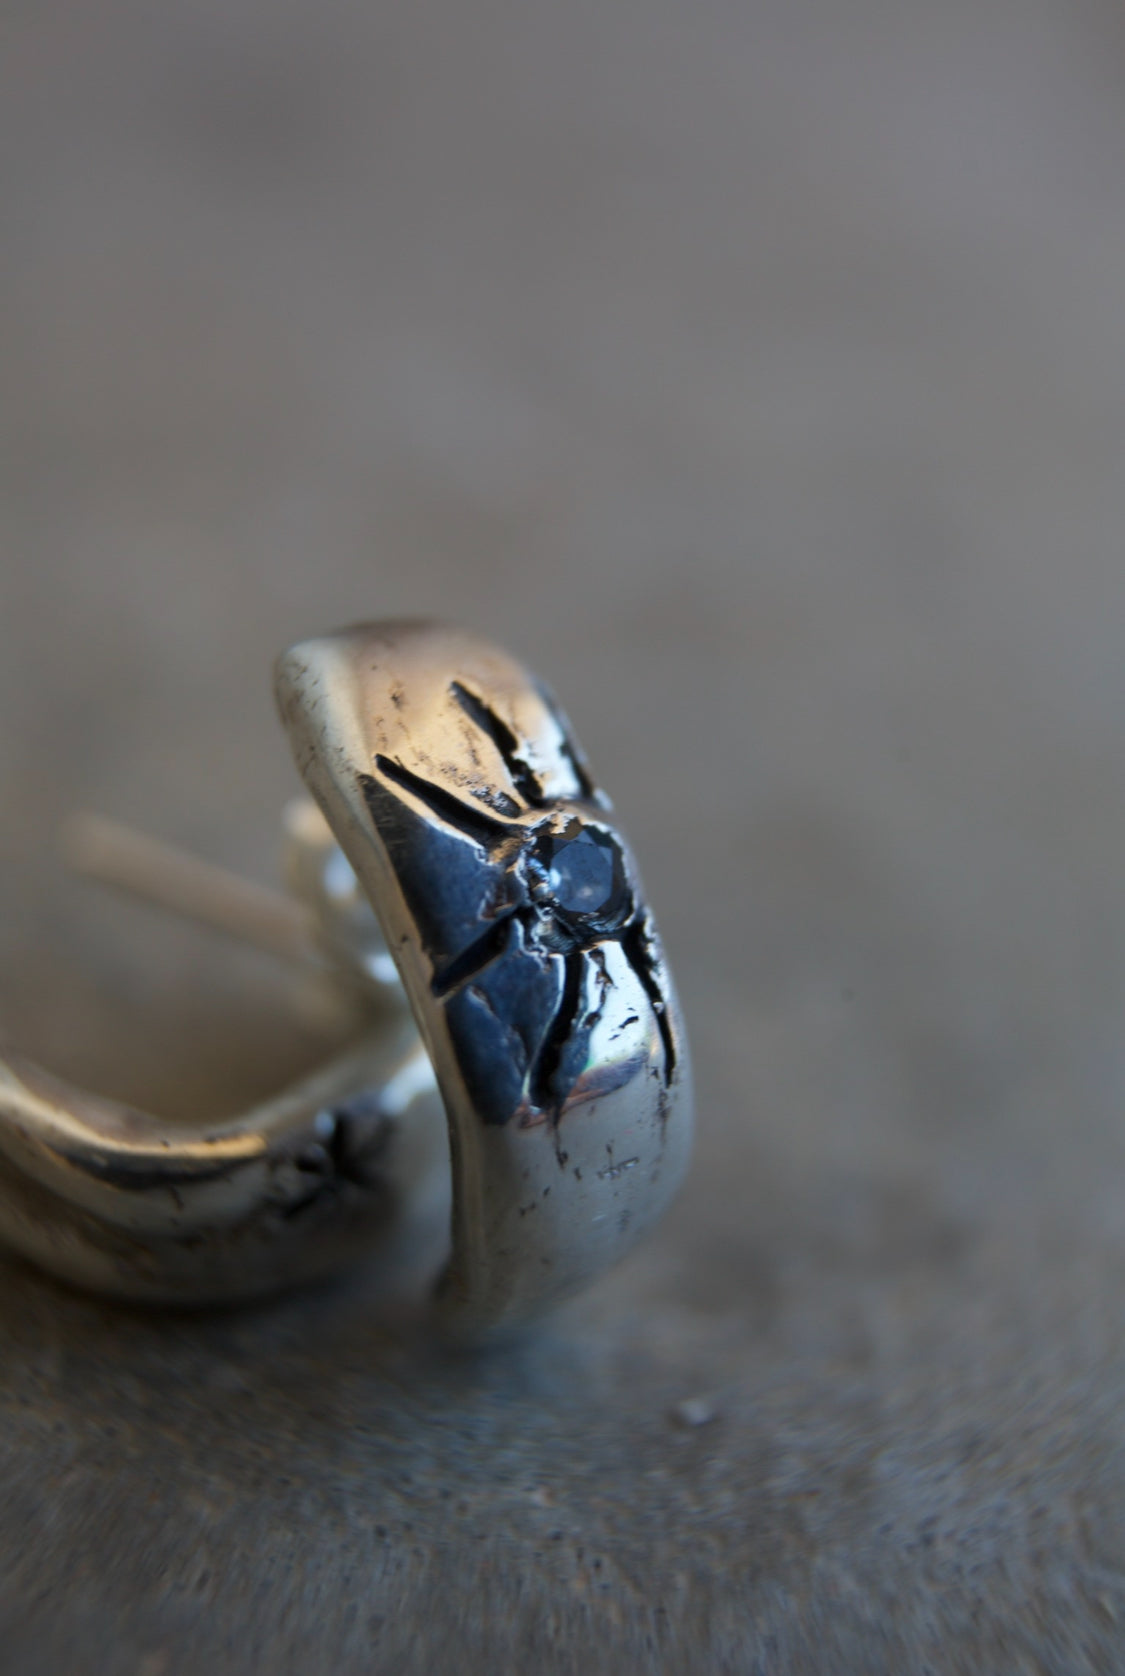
(464, 863)
(116, 1200)
(515, 913)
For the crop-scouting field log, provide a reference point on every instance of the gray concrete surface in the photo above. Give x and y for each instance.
(758, 372)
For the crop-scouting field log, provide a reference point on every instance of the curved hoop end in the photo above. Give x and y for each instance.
(114, 1201)
(515, 912)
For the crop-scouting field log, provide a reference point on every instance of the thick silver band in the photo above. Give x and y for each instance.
(514, 911)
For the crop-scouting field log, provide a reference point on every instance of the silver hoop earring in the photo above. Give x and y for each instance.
(470, 868)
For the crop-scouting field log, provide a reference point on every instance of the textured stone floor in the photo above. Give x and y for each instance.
(758, 372)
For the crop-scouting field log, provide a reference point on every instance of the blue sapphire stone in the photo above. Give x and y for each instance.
(586, 873)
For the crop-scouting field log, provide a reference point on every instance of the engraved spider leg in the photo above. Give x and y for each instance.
(520, 772)
(572, 751)
(492, 832)
(554, 1071)
(636, 942)
(489, 946)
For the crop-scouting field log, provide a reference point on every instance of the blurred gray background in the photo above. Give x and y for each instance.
(757, 371)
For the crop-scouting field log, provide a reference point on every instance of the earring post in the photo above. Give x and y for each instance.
(167, 877)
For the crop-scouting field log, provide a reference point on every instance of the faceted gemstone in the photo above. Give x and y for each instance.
(584, 866)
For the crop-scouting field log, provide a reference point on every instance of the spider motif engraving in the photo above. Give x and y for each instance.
(537, 897)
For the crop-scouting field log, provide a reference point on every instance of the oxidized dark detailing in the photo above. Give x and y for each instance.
(351, 1152)
(516, 896)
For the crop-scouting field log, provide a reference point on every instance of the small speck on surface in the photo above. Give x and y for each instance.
(692, 1412)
